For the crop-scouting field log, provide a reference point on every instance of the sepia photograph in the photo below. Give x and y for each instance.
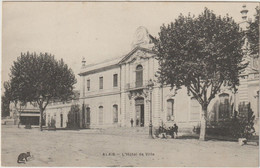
(130, 84)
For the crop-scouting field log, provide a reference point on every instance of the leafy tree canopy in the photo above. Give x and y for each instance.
(40, 78)
(35, 75)
(200, 53)
(253, 34)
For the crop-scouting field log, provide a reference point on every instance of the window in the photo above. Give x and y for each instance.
(257, 96)
(88, 84)
(88, 115)
(115, 113)
(255, 62)
(49, 119)
(100, 82)
(195, 110)
(115, 80)
(61, 120)
(100, 115)
(139, 76)
(170, 109)
(224, 105)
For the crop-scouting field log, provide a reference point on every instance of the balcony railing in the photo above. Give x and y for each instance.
(136, 85)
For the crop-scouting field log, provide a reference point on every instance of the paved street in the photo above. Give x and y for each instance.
(103, 148)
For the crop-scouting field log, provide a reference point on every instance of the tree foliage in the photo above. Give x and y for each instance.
(6, 98)
(253, 34)
(73, 116)
(201, 53)
(40, 78)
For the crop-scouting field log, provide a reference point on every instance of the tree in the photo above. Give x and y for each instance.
(40, 78)
(73, 116)
(202, 54)
(253, 34)
(6, 98)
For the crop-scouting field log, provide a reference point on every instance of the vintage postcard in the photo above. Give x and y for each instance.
(130, 84)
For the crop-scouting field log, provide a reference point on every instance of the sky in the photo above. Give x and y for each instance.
(94, 30)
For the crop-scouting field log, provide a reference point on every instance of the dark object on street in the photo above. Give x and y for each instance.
(22, 158)
(162, 132)
(132, 121)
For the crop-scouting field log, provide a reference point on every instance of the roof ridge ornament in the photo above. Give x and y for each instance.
(141, 37)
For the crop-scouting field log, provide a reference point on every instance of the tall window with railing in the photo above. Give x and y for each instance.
(139, 76)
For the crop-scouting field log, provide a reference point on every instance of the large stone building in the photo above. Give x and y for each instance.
(115, 91)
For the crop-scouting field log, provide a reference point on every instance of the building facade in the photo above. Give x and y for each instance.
(116, 91)
(57, 112)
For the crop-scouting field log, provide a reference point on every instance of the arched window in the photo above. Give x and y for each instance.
(224, 106)
(115, 113)
(139, 76)
(195, 110)
(100, 116)
(170, 109)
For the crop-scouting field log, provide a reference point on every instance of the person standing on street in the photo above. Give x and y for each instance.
(132, 122)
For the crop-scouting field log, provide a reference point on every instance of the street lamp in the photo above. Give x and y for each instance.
(150, 87)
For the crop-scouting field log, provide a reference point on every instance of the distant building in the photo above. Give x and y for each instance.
(58, 111)
(28, 113)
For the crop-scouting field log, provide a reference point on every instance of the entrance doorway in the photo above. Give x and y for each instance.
(139, 109)
(88, 117)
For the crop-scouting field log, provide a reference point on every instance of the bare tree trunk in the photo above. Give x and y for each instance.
(203, 123)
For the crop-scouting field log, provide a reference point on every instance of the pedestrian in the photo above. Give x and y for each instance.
(132, 121)
(175, 129)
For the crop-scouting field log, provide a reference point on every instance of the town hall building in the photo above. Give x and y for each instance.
(113, 92)
(116, 91)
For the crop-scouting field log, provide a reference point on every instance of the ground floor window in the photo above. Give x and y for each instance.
(195, 110)
(100, 116)
(61, 120)
(88, 115)
(170, 109)
(49, 119)
(115, 113)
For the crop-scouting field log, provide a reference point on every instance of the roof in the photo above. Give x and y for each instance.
(144, 44)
